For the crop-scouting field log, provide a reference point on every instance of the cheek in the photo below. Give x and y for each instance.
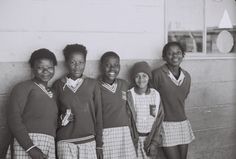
(106, 69)
(146, 79)
(82, 66)
(69, 67)
(136, 80)
(118, 69)
(52, 71)
(37, 72)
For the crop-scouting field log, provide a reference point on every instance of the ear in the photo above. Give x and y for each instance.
(32, 72)
(101, 67)
(164, 58)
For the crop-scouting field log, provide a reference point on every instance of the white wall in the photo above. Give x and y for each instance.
(133, 28)
(215, 10)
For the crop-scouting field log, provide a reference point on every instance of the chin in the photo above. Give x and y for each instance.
(111, 79)
(76, 76)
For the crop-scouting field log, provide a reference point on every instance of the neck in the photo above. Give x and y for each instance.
(140, 90)
(74, 78)
(173, 69)
(45, 84)
(108, 80)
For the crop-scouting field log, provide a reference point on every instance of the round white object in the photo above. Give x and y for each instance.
(225, 41)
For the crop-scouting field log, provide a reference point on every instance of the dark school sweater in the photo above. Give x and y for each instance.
(30, 110)
(85, 105)
(114, 105)
(172, 96)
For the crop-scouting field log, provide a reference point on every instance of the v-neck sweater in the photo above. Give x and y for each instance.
(31, 110)
(172, 96)
(114, 105)
(85, 105)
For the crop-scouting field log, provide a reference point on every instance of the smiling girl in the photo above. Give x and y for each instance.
(173, 84)
(147, 113)
(116, 134)
(32, 111)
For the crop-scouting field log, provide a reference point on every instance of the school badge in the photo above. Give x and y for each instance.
(153, 110)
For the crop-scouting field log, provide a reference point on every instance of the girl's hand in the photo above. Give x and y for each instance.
(36, 153)
(152, 151)
(99, 153)
(66, 118)
(71, 117)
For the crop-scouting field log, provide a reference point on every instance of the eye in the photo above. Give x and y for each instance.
(169, 53)
(107, 65)
(50, 68)
(39, 68)
(145, 76)
(179, 53)
(137, 76)
(72, 62)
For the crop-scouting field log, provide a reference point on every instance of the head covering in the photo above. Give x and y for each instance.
(141, 67)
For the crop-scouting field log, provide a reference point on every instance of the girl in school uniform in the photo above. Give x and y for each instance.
(173, 84)
(32, 111)
(146, 111)
(79, 135)
(116, 134)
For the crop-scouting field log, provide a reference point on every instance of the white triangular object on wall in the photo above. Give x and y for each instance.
(225, 21)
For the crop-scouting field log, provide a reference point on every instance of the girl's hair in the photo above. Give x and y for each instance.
(168, 45)
(107, 55)
(42, 54)
(71, 49)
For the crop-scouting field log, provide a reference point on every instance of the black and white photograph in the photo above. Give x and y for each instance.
(117, 79)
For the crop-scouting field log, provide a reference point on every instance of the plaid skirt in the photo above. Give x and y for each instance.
(66, 150)
(45, 143)
(118, 143)
(176, 133)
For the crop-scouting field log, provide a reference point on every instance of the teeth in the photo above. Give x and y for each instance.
(111, 73)
(175, 59)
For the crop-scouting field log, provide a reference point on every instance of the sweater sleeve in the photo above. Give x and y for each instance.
(5, 139)
(189, 86)
(155, 80)
(98, 113)
(156, 139)
(15, 108)
(56, 91)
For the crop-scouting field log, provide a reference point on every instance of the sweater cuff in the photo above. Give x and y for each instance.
(30, 148)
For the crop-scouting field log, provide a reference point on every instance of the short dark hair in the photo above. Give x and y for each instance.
(108, 54)
(72, 48)
(168, 45)
(42, 54)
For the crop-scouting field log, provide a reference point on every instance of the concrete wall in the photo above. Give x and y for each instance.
(136, 31)
(211, 106)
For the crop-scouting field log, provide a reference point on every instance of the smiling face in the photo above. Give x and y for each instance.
(111, 69)
(174, 56)
(141, 80)
(76, 64)
(43, 70)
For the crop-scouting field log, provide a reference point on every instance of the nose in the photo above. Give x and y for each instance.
(141, 79)
(112, 68)
(175, 54)
(77, 65)
(46, 70)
